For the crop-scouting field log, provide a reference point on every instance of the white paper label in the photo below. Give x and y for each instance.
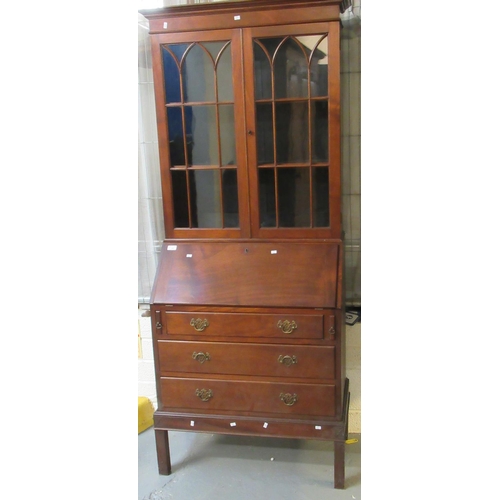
(265, 425)
(189, 255)
(318, 427)
(192, 423)
(237, 18)
(233, 424)
(274, 251)
(172, 248)
(165, 25)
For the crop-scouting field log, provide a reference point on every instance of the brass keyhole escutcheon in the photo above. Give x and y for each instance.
(289, 399)
(199, 324)
(287, 360)
(287, 326)
(204, 394)
(158, 325)
(201, 357)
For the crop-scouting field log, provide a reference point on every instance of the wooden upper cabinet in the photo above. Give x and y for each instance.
(247, 100)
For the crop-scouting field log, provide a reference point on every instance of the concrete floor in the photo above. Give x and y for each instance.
(213, 467)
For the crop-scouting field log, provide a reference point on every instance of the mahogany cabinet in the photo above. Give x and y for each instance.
(247, 307)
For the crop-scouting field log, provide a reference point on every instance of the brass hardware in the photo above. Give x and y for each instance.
(287, 360)
(199, 324)
(201, 356)
(158, 320)
(332, 330)
(287, 326)
(204, 394)
(289, 399)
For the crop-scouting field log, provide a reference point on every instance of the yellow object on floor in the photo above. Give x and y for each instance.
(145, 414)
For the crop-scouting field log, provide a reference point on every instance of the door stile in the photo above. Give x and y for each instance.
(240, 122)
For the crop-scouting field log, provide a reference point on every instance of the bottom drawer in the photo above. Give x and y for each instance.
(244, 396)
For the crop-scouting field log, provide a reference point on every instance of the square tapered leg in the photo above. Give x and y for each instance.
(163, 452)
(339, 464)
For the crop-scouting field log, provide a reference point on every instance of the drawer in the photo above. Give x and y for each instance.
(214, 324)
(247, 359)
(214, 395)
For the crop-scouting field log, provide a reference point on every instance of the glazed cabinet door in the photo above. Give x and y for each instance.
(200, 109)
(249, 131)
(293, 121)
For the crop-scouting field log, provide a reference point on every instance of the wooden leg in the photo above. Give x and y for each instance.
(339, 446)
(339, 464)
(163, 452)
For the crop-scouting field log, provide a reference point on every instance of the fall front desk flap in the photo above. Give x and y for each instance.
(260, 274)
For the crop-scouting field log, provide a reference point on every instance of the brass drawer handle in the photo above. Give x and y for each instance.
(199, 324)
(289, 399)
(287, 326)
(204, 394)
(201, 356)
(332, 330)
(287, 360)
(158, 325)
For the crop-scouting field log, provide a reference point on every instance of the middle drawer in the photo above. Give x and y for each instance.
(223, 358)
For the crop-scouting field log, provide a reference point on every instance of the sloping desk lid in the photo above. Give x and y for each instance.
(254, 274)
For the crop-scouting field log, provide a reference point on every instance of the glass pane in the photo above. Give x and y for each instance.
(293, 197)
(319, 121)
(179, 188)
(267, 201)
(271, 44)
(319, 70)
(230, 198)
(318, 63)
(292, 136)
(198, 76)
(201, 129)
(171, 77)
(214, 48)
(265, 142)
(225, 76)
(205, 198)
(227, 139)
(262, 73)
(176, 136)
(291, 71)
(178, 49)
(321, 210)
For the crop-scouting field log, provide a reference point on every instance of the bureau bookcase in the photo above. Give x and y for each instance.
(247, 306)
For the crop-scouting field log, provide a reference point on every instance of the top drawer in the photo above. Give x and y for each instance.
(214, 324)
